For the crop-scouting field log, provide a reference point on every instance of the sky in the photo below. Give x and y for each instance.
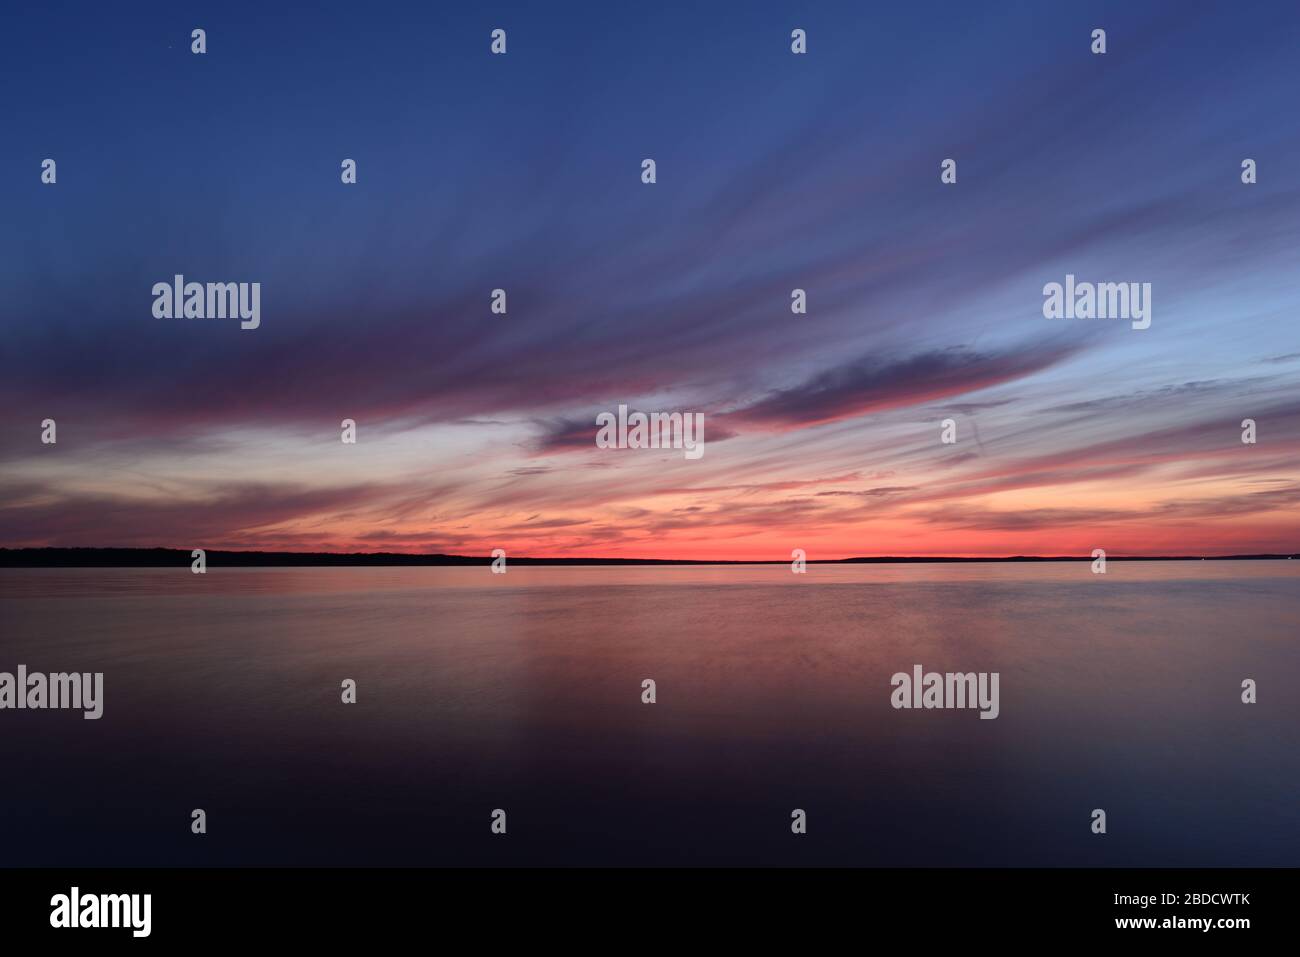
(775, 171)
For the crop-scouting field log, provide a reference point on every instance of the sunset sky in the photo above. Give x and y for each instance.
(775, 171)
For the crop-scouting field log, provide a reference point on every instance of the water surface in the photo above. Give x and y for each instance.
(523, 692)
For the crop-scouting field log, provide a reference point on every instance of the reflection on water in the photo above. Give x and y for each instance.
(523, 691)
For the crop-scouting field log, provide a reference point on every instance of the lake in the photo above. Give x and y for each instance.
(523, 692)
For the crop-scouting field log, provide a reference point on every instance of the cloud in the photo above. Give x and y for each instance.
(983, 518)
(218, 514)
(579, 435)
(876, 385)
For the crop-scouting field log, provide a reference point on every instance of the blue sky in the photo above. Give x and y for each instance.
(775, 171)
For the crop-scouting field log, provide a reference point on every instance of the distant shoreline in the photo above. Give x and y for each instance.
(174, 557)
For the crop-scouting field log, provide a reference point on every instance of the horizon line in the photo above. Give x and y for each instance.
(161, 557)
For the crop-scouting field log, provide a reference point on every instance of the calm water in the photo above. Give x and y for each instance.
(523, 692)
